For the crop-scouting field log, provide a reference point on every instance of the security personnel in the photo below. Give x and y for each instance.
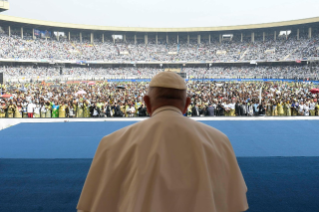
(167, 163)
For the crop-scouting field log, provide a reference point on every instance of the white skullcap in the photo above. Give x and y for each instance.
(168, 80)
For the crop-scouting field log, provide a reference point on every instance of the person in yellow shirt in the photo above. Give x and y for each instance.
(274, 109)
(18, 111)
(317, 108)
(124, 108)
(231, 106)
(11, 109)
(287, 108)
(79, 109)
(2, 109)
(86, 109)
(62, 109)
(280, 109)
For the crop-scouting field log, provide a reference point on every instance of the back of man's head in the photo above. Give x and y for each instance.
(167, 89)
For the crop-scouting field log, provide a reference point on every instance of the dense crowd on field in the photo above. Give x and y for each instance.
(283, 48)
(246, 71)
(103, 99)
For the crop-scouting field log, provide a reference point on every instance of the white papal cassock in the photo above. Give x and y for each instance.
(167, 163)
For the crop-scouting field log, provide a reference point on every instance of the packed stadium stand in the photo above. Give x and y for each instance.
(33, 48)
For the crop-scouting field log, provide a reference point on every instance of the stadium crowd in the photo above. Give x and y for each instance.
(246, 71)
(103, 99)
(283, 48)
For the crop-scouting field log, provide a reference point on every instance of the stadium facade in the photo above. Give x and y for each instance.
(37, 29)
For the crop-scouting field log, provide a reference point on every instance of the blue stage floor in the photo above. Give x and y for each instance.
(43, 166)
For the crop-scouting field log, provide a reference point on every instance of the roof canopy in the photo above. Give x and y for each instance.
(12, 21)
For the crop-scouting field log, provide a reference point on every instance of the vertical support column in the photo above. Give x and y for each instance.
(309, 32)
(198, 39)
(81, 37)
(275, 35)
(241, 37)
(146, 39)
(167, 38)
(92, 38)
(102, 38)
(177, 39)
(156, 39)
(124, 37)
(69, 36)
(297, 34)
(209, 38)
(135, 39)
(9, 31)
(21, 32)
(57, 37)
(252, 37)
(220, 38)
(187, 39)
(264, 35)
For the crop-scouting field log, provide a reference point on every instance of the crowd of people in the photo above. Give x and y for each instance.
(103, 99)
(283, 48)
(245, 71)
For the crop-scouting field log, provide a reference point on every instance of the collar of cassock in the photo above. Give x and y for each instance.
(166, 108)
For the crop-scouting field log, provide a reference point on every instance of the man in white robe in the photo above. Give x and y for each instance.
(167, 163)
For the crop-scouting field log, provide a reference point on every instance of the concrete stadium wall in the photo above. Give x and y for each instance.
(9, 122)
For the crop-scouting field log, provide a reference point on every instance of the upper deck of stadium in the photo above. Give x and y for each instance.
(17, 22)
(25, 22)
(286, 41)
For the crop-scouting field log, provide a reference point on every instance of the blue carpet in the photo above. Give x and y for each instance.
(80, 140)
(275, 184)
(43, 166)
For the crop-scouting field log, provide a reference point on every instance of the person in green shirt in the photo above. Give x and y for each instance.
(55, 109)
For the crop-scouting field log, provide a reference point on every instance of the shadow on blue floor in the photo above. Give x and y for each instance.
(275, 184)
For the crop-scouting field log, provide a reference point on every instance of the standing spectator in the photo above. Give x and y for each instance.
(287, 108)
(261, 109)
(30, 109)
(195, 110)
(94, 110)
(18, 111)
(312, 107)
(210, 110)
(10, 109)
(24, 109)
(43, 110)
(301, 111)
(71, 110)
(62, 109)
(55, 109)
(306, 109)
(37, 109)
(142, 112)
(243, 108)
(48, 108)
(2, 108)
(130, 111)
(108, 110)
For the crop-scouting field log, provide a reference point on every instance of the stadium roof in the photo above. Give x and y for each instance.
(24, 22)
